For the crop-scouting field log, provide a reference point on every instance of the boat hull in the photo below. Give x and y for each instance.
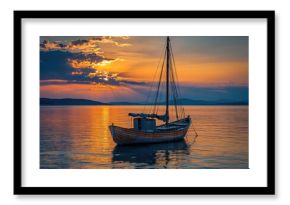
(126, 136)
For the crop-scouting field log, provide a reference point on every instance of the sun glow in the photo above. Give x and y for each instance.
(130, 61)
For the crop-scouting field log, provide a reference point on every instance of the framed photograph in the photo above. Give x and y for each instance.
(144, 102)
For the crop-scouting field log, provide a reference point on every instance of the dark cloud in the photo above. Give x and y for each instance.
(43, 43)
(46, 45)
(54, 65)
(94, 58)
(133, 82)
(56, 69)
(89, 45)
(79, 42)
(62, 82)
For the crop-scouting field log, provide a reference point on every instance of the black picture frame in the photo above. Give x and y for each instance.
(269, 189)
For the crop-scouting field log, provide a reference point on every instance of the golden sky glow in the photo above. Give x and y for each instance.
(121, 68)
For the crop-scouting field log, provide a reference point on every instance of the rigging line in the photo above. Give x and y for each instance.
(172, 111)
(178, 87)
(174, 66)
(161, 94)
(177, 101)
(173, 87)
(173, 84)
(158, 105)
(175, 97)
(152, 84)
(175, 71)
(173, 108)
(158, 88)
(152, 107)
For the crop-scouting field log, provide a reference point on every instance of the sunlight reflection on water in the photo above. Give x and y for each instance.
(77, 137)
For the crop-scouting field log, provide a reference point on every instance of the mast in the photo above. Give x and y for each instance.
(167, 78)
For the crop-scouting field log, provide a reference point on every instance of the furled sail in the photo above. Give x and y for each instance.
(159, 117)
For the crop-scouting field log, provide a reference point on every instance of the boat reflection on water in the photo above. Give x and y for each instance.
(164, 155)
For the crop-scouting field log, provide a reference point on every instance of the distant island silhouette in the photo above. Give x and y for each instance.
(183, 101)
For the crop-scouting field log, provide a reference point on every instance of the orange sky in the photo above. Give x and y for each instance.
(119, 68)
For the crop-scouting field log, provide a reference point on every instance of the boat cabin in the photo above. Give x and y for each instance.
(144, 124)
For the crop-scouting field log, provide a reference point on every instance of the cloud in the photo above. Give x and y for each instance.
(112, 40)
(88, 46)
(47, 45)
(91, 63)
(62, 67)
(80, 61)
(62, 82)
(78, 46)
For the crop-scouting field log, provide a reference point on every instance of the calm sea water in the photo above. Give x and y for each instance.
(77, 137)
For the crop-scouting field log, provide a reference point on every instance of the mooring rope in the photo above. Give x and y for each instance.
(189, 133)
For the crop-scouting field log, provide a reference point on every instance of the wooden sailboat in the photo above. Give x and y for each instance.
(145, 129)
